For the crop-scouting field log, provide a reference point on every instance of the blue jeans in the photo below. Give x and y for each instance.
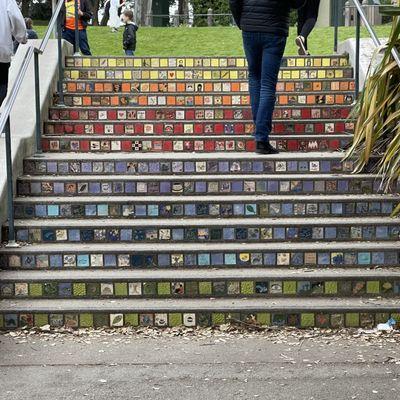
(264, 52)
(129, 53)
(69, 36)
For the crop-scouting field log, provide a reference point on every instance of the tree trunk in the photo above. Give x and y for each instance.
(95, 10)
(25, 7)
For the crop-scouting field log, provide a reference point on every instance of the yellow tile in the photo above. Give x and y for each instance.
(86, 62)
(163, 62)
(207, 75)
(240, 62)
(189, 62)
(295, 74)
(214, 62)
(326, 62)
(137, 62)
(300, 62)
(155, 62)
(112, 62)
(339, 74)
(74, 74)
(153, 74)
(146, 74)
(180, 75)
(101, 74)
(234, 75)
(321, 73)
(127, 75)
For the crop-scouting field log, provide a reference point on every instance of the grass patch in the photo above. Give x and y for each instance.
(216, 41)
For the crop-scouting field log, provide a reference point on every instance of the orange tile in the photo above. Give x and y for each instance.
(226, 100)
(114, 100)
(290, 86)
(86, 100)
(171, 100)
(142, 100)
(126, 87)
(198, 100)
(180, 87)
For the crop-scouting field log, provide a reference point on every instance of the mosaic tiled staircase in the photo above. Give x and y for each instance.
(147, 207)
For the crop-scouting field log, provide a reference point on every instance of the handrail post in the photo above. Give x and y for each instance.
(10, 188)
(336, 25)
(37, 103)
(357, 61)
(76, 47)
(60, 63)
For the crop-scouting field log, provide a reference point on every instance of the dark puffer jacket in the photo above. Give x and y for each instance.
(268, 16)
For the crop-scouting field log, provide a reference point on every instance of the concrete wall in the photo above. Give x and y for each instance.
(23, 115)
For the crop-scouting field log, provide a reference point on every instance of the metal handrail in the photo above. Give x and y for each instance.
(50, 27)
(372, 32)
(7, 106)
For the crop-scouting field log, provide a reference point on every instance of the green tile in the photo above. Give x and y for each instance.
(307, 320)
(86, 320)
(381, 317)
(150, 288)
(121, 289)
(191, 288)
(290, 287)
(100, 320)
(395, 316)
(352, 320)
(373, 287)
(131, 319)
(164, 288)
(41, 319)
(331, 287)
(247, 287)
(218, 318)
(35, 289)
(175, 319)
(79, 289)
(205, 288)
(264, 319)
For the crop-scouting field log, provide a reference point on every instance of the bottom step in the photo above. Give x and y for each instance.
(303, 313)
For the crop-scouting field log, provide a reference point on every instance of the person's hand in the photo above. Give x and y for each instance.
(24, 40)
(80, 13)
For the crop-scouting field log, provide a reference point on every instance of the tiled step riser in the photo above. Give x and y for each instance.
(202, 100)
(198, 87)
(199, 62)
(199, 288)
(138, 260)
(201, 209)
(189, 115)
(177, 128)
(191, 234)
(140, 167)
(171, 74)
(306, 319)
(198, 144)
(348, 185)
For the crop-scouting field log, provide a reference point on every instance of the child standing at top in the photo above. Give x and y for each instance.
(129, 37)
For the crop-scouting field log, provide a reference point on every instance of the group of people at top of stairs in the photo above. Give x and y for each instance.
(265, 27)
(85, 15)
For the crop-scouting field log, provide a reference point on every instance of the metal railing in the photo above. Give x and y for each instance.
(6, 108)
(360, 16)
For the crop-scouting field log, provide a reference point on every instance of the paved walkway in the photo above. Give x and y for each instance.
(210, 366)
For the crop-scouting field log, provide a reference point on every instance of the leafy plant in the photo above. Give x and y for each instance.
(377, 112)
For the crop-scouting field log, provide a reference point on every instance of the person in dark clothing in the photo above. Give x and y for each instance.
(68, 24)
(129, 36)
(306, 19)
(265, 26)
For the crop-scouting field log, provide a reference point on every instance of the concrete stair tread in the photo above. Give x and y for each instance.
(118, 247)
(208, 198)
(209, 177)
(212, 222)
(187, 305)
(200, 274)
(187, 156)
